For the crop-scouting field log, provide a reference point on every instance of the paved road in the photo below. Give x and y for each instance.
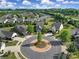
(30, 54)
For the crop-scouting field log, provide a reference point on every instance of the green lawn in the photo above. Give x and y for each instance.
(74, 55)
(66, 27)
(74, 17)
(7, 28)
(11, 43)
(48, 25)
(9, 56)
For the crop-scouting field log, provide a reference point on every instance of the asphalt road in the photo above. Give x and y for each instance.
(51, 54)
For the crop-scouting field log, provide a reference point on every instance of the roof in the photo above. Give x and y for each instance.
(56, 26)
(42, 18)
(2, 46)
(20, 28)
(75, 31)
(29, 20)
(7, 16)
(7, 34)
(1, 34)
(39, 26)
(19, 20)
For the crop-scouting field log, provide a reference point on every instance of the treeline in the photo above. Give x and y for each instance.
(62, 11)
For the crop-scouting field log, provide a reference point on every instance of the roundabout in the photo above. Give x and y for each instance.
(45, 46)
(50, 51)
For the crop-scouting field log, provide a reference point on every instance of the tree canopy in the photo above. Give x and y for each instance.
(65, 36)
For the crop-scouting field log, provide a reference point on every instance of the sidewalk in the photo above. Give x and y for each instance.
(16, 48)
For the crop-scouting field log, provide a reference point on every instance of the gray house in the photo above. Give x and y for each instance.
(57, 26)
(75, 33)
(20, 29)
(38, 26)
(7, 18)
(75, 36)
(7, 35)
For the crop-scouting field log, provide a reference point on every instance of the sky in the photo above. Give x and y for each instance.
(38, 4)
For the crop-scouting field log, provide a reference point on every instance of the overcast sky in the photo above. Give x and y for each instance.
(39, 4)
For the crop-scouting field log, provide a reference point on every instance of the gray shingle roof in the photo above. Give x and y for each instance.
(56, 26)
(1, 34)
(5, 34)
(39, 26)
(75, 31)
(20, 28)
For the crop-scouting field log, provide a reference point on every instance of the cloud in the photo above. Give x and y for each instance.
(70, 2)
(38, 6)
(26, 2)
(42, 6)
(46, 2)
(57, 5)
(5, 4)
(59, 0)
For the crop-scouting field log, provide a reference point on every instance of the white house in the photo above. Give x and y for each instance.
(23, 19)
(5, 21)
(15, 18)
(61, 27)
(2, 46)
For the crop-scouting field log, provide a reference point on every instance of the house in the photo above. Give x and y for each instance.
(57, 26)
(29, 20)
(75, 36)
(7, 35)
(15, 18)
(44, 18)
(20, 29)
(38, 26)
(2, 46)
(23, 19)
(75, 33)
(7, 18)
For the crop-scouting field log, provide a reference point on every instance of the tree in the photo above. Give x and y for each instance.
(61, 18)
(44, 29)
(65, 36)
(39, 37)
(30, 28)
(72, 47)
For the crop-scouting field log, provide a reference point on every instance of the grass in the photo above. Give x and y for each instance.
(21, 56)
(11, 43)
(10, 55)
(74, 55)
(66, 27)
(7, 28)
(48, 25)
(74, 17)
